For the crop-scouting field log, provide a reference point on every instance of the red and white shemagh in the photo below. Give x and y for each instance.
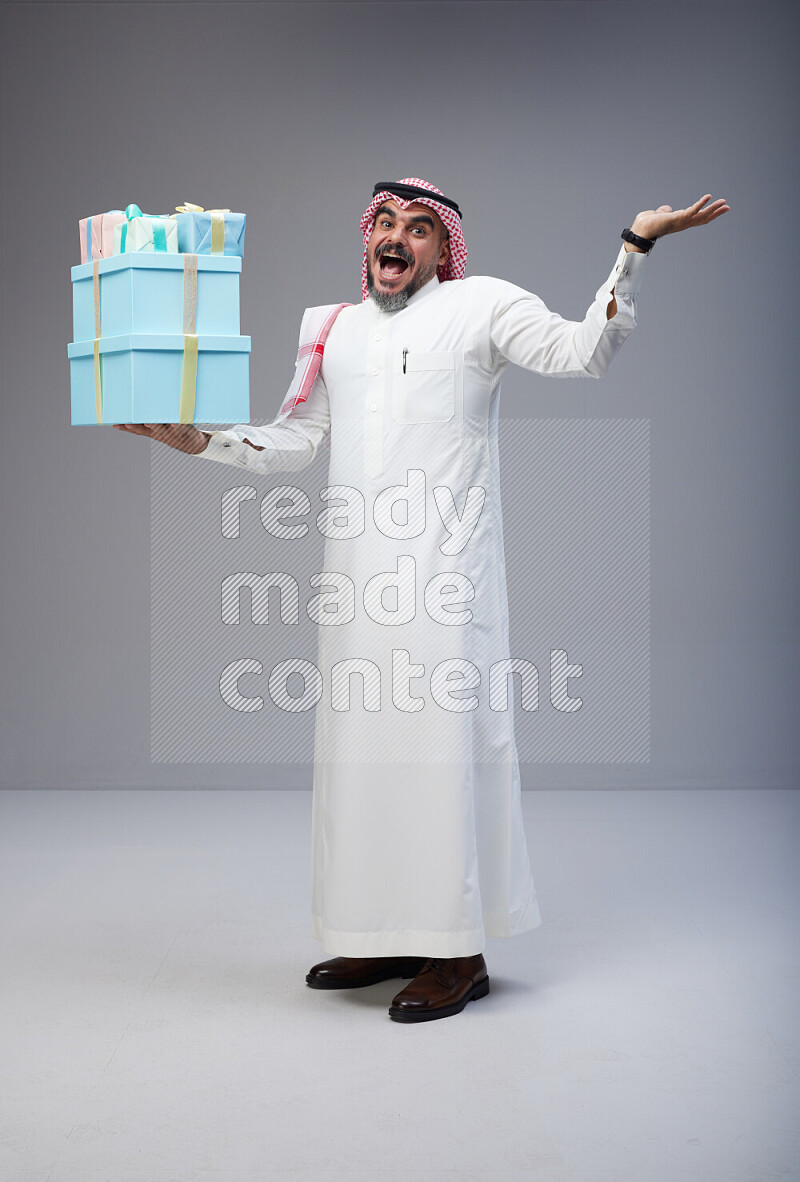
(317, 322)
(456, 265)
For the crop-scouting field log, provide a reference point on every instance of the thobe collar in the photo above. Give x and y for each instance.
(426, 290)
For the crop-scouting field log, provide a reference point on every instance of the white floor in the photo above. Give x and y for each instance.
(156, 1025)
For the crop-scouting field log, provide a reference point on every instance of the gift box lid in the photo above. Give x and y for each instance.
(157, 261)
(148, 340)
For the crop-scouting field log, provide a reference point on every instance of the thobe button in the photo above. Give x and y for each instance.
(374, 373)
(378, 336)
(373, 407)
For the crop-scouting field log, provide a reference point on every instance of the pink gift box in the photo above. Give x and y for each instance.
(100, 231)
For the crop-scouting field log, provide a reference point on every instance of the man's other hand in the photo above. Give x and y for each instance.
(182, 436)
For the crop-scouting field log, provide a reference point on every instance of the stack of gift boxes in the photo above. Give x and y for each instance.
(155, 317)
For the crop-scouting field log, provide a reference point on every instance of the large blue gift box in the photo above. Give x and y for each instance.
(160, 378)
(157, 340)
(148, 292)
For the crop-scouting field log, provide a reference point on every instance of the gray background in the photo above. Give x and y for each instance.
(552, 125)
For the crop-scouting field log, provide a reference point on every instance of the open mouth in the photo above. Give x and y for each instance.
(391, 266)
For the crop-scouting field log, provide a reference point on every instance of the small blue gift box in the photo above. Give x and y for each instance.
(160, 378)
(148, 293)
(210, 231)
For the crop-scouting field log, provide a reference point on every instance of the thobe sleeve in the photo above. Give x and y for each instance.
(525, 332)
(288, 445)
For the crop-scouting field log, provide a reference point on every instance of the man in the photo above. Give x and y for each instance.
(418, 845)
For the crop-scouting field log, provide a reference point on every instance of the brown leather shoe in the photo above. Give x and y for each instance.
(441, 988)
(353, 972)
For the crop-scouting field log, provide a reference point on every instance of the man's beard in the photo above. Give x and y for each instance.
(393, 301)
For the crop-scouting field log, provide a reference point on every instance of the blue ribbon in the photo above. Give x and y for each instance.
(159, 232)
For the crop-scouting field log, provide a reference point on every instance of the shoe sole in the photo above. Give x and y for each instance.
(399, 1015)
(372, 979)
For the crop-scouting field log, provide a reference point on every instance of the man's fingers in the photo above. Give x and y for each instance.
(722, 209)
(701, 201)
(701, 217)
(712, 211)
(133, 428)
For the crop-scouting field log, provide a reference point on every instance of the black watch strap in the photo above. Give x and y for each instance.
(645, 244)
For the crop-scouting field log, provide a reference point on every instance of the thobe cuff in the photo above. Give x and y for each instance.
(598, 339)
(227, 447)
(629, 270)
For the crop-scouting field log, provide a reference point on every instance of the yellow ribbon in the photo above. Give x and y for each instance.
(188, 379)
(189, 293)
(98, 383)
(189, 372)
(217, 223)
(98, 377)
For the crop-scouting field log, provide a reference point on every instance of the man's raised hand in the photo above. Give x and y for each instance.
(182, 436)
(665, 220)
(655, 223)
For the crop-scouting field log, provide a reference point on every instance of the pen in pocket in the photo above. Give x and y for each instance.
(405, 354)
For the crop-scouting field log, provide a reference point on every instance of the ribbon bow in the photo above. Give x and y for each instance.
(132, 211)
(188, 207)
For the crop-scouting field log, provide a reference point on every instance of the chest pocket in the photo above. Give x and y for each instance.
(426, 391)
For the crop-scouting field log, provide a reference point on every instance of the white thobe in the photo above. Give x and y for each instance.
(418, 846)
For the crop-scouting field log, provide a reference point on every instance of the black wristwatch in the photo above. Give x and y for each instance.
(645, 244)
